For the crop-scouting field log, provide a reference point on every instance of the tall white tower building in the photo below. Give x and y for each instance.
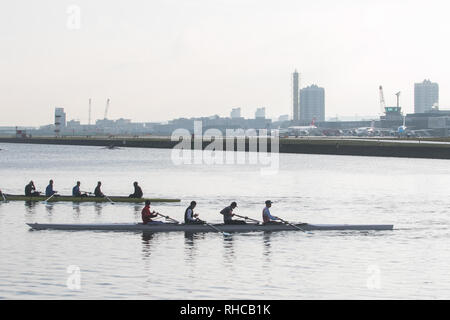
(295, 99)
(312, 103)
(60, 120)
(426, 95)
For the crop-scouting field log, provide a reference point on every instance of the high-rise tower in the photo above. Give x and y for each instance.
(295, 97)
(60, 120)
(426, 96)
(312, 100)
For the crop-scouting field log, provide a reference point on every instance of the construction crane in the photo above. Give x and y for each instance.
(106, 109)
(89, 122)
(382, 102)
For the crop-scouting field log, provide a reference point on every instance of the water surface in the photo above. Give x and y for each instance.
(410, 262)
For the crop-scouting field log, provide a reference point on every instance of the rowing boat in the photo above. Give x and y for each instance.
(169, 227)
(11, 197)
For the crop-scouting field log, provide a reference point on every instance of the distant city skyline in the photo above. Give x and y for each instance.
(162, 60)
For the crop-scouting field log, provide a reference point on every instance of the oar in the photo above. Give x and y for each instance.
(247, 218)
(112, 202)
(4, 198)
(167, 217)
(210, 225)
(291, 224)
(45, 201)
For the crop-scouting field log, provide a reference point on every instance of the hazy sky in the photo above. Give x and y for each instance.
(158, 60)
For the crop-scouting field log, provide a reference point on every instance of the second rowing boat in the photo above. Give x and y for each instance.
(12, 197)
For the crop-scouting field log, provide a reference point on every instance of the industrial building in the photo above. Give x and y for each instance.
(260, 113)
(235, 113)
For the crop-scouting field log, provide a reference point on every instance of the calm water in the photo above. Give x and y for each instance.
(413, 261)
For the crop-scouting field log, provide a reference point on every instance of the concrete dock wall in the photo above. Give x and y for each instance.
(338, 146)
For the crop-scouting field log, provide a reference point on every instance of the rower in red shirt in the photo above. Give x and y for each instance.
(147, 215)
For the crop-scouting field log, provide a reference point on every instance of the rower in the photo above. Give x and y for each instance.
(76, 191)
(190, 217)
(98, 191)
(49, 190)
(227, 213)
(147, 215)
(267, 217)
(30, 190)
(137, 191)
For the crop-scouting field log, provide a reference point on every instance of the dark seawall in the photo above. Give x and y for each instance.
(337, 146)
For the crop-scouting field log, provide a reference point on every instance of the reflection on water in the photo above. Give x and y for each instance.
(190, 244)
(266, 242)
(98, 208)
(267, 252)
(228, 249)
(76, 210)
(49, 208)
(30, 207)
(189, 240)
(146, 243)
(137, 210)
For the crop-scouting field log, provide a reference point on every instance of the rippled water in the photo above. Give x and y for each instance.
(410, 262)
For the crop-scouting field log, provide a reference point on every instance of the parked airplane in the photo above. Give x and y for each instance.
(303, 130)
(366, 131)
(401, 130)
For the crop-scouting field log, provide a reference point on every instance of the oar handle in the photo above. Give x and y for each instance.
(50, 197)
(167, 217)
(291, 224)
(247, 218)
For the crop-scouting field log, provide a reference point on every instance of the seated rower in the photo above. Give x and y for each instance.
(49, 190)
(98, 192)
(137, 191)
(267, 217)
(190, 217)
(30, 190)
(147, 215)
(76, 192)
(227, 213)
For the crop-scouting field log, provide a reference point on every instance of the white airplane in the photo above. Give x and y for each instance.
(366, 131)
(302, 130)
(402, 128)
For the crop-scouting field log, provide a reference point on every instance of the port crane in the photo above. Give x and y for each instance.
(106, 109)
(90, 104)
(382, 102)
